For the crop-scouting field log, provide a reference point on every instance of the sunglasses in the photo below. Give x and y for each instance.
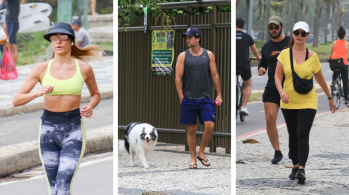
(297, 32)
(272, 27)
(54, 38)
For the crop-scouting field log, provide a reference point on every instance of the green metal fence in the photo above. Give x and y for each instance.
(154, 99)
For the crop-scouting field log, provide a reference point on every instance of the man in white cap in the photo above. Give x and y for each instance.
(271, 96)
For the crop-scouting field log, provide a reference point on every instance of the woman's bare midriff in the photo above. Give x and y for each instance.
(62, 103)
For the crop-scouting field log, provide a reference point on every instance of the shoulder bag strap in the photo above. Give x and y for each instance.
(307, 54)
(291, 59)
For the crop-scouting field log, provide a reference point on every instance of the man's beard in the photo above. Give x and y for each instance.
(191, 46)
(277, 36)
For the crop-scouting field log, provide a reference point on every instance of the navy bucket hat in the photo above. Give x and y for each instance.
(60, 28)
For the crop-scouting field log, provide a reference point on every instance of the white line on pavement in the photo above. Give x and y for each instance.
(6, 133)
(81, 165)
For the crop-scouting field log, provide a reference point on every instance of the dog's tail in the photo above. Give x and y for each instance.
(124, 145)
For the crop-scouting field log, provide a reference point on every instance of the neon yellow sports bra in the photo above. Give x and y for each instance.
(71, 86)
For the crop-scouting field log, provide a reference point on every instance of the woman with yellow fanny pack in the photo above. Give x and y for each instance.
(62, 137)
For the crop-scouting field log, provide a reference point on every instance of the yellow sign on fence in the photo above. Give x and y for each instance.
(162, 52)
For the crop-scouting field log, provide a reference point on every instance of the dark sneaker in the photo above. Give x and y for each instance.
(301, 176)
(277, 157)
(293, 173)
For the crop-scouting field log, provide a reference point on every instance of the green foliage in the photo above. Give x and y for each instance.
(135, 10)
(30, 46)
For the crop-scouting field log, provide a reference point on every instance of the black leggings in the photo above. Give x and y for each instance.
(299, 122)
(344, 73)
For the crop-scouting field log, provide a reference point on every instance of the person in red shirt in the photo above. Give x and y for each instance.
(339, 54)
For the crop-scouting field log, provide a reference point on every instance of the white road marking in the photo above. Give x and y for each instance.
(101, 114)
(6, 133)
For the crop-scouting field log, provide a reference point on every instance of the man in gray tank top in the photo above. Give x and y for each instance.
(193, 70)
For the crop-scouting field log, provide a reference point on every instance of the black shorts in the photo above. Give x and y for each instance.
(271, 96)
(12, 29)
(247, 71)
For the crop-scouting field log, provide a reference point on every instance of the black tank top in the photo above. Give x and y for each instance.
(196, 77)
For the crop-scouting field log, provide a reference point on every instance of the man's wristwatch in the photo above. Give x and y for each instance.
(330, 98)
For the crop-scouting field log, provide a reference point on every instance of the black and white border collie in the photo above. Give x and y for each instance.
(140, 139)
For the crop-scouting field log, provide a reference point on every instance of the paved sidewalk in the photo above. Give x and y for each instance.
(103, 70)
(327, 167)
(169, 173)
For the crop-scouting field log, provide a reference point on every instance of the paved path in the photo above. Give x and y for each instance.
(103, 70)
(169, 173)
(94, 176)
(327, 168)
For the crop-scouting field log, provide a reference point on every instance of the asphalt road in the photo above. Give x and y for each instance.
(25, 127)
(94, 177)
(256, 120)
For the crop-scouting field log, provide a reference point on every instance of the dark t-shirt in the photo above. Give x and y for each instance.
(12, 11)
(270, 52)
(243, 43)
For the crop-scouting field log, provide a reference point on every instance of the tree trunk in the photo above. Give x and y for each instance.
(316, 23)
(268, 14)
(286, 17)
(339, 10)
(296, 11)
(291, 18)
(247, 18)
(328, 8)
(333, 26)
(265, 22)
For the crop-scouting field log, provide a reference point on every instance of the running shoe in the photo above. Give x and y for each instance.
(301, 176)
(244, 111)
(293, 173)
(277, 157)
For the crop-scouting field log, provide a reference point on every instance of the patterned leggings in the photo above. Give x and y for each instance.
(62, 145)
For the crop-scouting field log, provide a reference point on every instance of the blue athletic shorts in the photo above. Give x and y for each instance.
(12, 29)
(191, 109)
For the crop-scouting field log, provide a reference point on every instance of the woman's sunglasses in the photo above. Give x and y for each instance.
(272, 27)
(54, 38)
(297, 32)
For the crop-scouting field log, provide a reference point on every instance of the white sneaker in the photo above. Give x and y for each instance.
(244, 111)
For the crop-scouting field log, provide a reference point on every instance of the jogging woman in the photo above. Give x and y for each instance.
(339, 61)
(62, 137)
(299, 109)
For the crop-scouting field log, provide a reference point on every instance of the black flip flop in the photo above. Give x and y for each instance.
(196, 166)
(201, 159)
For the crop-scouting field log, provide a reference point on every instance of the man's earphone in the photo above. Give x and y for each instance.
(197, 39)
(72, 43)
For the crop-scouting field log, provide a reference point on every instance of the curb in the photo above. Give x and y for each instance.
(26, 155)
(32, 107)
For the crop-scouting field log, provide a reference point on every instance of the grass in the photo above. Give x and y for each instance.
(32, 45)
(106, 45)
(323, 50)
(256, 97)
